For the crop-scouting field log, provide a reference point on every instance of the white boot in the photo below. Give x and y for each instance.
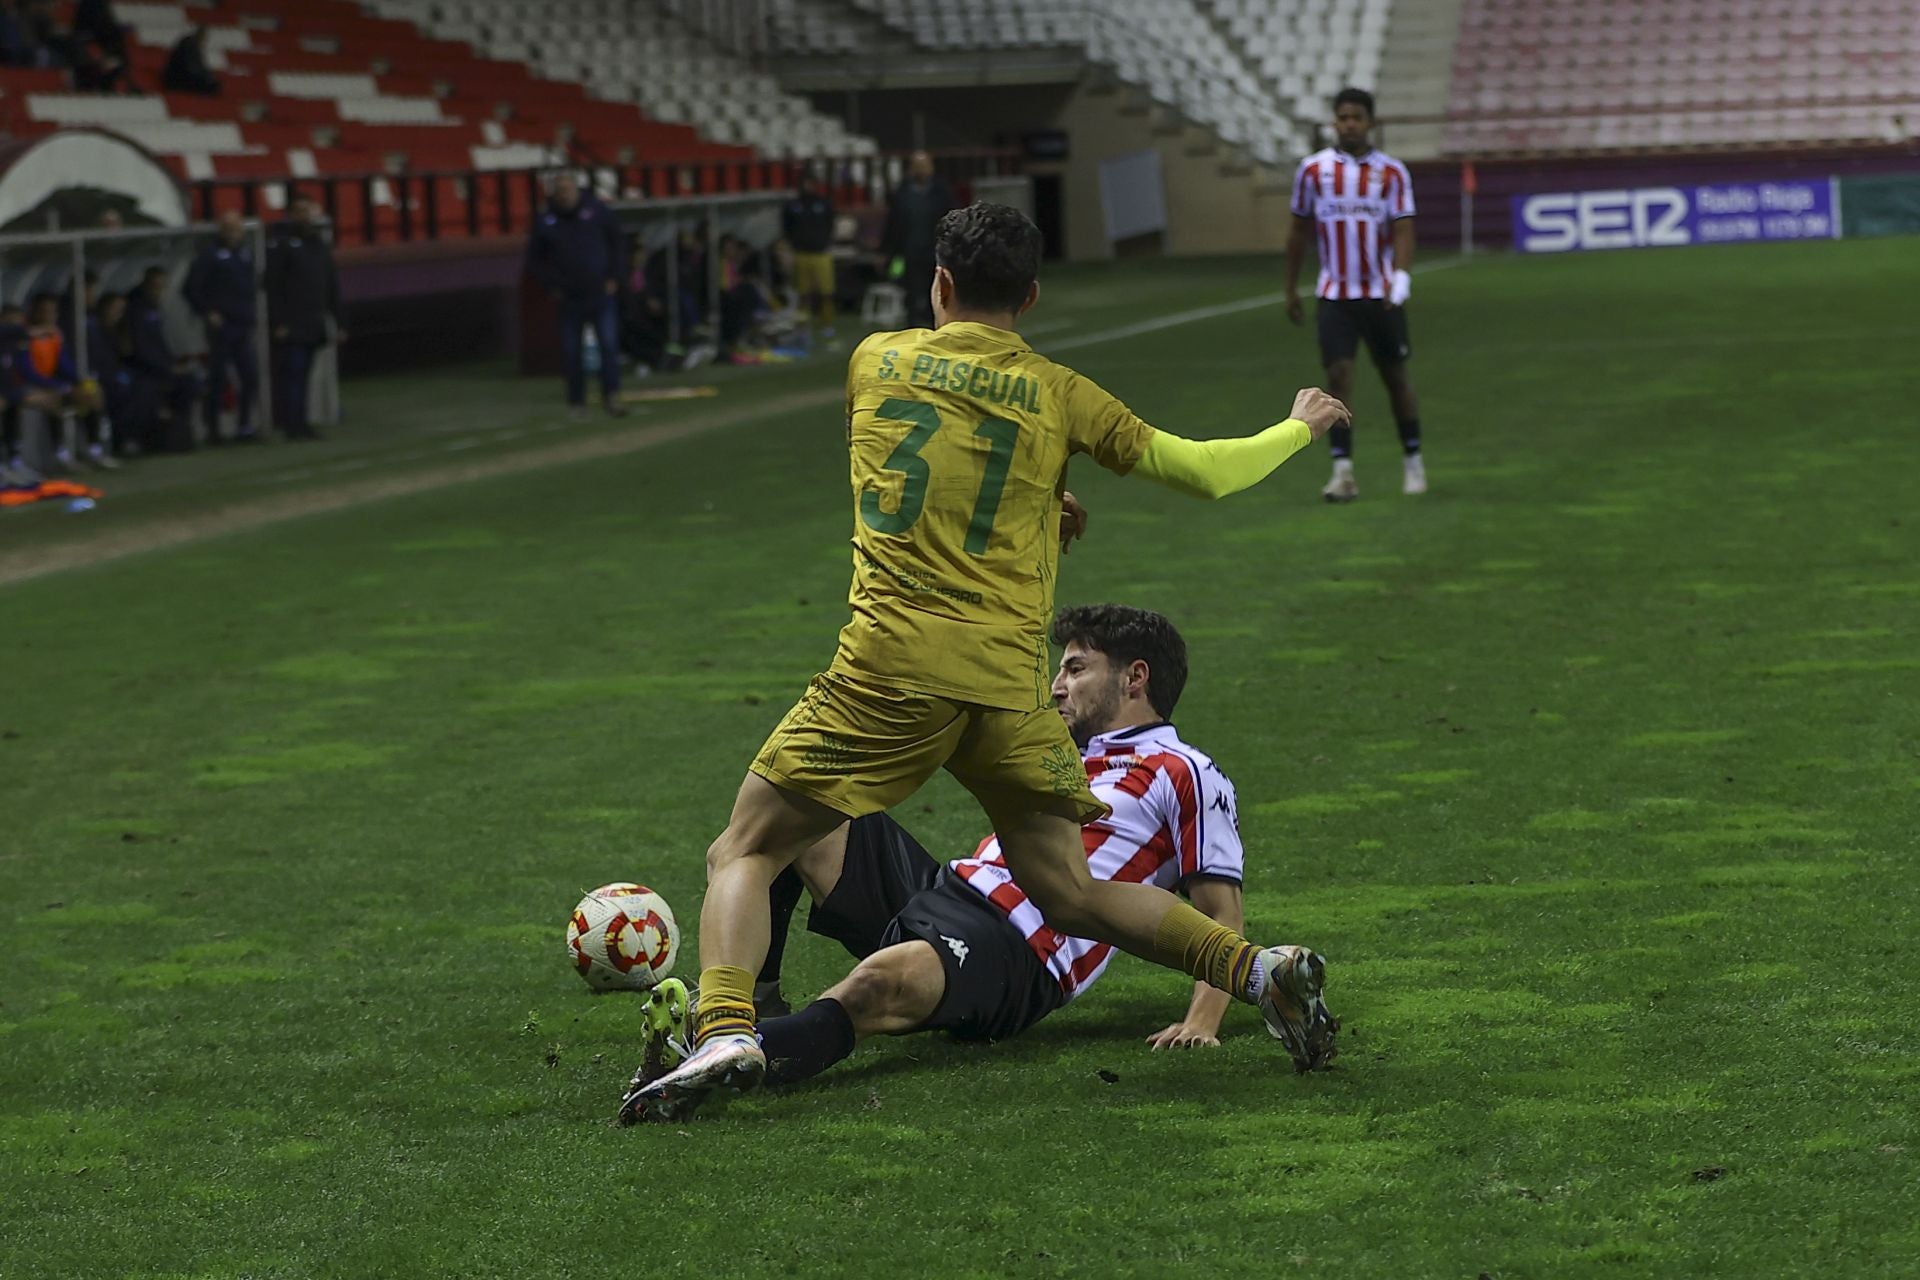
(1341, 488)
(1413, 476)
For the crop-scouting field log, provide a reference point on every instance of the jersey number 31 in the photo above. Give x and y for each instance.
(923, 420)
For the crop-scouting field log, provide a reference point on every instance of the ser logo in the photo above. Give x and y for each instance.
(960, 949)
(1648, 217)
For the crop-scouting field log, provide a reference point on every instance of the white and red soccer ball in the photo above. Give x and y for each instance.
(622, 937)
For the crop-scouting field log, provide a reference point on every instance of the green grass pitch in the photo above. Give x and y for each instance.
(1595, 774)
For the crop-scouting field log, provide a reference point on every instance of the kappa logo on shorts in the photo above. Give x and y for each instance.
(960, 949)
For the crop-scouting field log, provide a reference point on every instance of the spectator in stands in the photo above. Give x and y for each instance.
(13, 36)
(303, 294)
(159, 376)
(917, 206)
(808, 222)
(29, 36)
(95, 72)
(221, 287)
(187, 70)
(578, 255)
(95, 22)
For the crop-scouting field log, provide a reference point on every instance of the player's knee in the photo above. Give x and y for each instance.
(726, 849)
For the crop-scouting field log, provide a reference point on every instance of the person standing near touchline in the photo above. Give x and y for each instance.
(913, 217)
(220, 288)
(303, 293)
(578, 254)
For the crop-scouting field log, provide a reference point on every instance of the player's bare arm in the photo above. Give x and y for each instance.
(1200, 1026)
(1297, 236)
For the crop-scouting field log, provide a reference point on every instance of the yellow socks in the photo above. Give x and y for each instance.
(725, 1004)
(1204, 948)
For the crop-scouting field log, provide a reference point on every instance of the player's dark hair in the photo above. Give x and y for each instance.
(993, 253)
(1126, 635)
(1359, 97)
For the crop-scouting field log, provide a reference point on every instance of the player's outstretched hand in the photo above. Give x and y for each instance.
(1295, 311)
(1182, 1035)
(1320, 411)
(1073, 522)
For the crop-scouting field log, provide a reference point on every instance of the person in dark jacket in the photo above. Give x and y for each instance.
(186, 70)
(95, 21)
(915, 210)
(159, 377)
(106, 330)
(579, 256)
(807, 222)
(95, 72)
(303, 293)
(221, 288)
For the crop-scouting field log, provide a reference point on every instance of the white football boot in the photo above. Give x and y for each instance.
(1413, 475)
(1342, 487)
(724, 1064)
(1296, 1015)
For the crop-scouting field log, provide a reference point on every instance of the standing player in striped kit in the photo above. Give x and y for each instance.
(960, 948)
(1359, 203)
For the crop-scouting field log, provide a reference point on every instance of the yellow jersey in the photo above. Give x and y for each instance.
(958, 440)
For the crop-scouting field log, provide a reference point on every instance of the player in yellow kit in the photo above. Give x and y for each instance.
(959, 439)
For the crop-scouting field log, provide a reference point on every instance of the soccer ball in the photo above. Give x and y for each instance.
(622, 937)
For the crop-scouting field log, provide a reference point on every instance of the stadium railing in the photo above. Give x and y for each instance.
(409, 205)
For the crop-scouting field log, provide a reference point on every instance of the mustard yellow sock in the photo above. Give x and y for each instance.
(1206, 949)
(725, 1004)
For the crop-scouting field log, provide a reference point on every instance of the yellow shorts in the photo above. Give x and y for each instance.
(859, 749)
(813, 274)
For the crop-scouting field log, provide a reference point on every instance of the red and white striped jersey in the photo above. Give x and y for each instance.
(1355, 203)
(1173, 817)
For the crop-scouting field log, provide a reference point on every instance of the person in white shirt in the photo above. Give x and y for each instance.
(958, 947)
(1357, 203)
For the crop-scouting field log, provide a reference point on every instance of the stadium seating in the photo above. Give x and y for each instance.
(1535, 76)
(314, 88)
(635, 51)
(1256, 72)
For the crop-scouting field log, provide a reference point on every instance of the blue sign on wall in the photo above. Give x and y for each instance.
(1650, 217)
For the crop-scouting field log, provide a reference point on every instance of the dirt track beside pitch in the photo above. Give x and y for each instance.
(239, 516)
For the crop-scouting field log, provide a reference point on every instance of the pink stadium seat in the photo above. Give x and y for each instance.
(1543, 75)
